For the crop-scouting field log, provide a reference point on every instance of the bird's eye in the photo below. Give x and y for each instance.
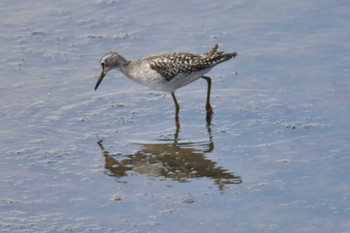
(102, 64)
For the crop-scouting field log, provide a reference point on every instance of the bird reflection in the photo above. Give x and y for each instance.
(180, 161)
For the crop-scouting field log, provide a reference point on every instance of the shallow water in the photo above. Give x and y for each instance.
(275, 157)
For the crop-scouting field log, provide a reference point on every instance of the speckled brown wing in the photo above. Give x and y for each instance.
(170, 65)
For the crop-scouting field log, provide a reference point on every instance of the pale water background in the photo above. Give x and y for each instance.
(275, 159)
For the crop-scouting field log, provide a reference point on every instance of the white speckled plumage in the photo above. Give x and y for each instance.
(166, 71)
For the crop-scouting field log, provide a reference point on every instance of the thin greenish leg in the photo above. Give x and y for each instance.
(177, 110)
(207, 105)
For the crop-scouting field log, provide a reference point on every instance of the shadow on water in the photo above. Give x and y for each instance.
(180, 161)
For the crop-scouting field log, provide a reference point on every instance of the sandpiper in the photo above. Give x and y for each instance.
(167, 71)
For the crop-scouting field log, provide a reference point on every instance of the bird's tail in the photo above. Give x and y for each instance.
(214, 52)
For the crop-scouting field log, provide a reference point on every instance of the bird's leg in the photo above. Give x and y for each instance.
(177, 110)
(207, 105)
(177, 107)
(211, 141)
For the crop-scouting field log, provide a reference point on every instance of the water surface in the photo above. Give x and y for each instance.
(275, 157)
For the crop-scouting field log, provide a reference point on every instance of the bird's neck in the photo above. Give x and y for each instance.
(122, 62)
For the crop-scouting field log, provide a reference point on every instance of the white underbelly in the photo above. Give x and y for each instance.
(153, 80)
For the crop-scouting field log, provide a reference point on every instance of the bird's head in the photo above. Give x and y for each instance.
(111, 60)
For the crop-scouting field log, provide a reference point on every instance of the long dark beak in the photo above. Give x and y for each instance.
(103, 73)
